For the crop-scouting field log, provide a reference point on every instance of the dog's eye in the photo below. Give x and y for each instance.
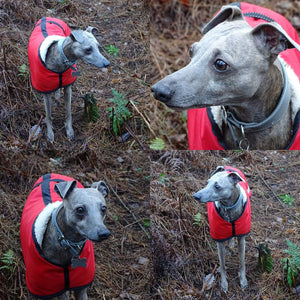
(221, 65)
(80, 210)
(88, 51)
(217, 186)
(103, 209)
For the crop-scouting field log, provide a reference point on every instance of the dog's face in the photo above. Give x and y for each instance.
(85, 209)
(220, 186)
(86, 47)
(228, 65)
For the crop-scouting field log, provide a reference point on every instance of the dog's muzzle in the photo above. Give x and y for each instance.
(162, 92)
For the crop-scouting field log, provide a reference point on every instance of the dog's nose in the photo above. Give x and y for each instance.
(197, 196)
(106, 63)
(104, 234)
(162, 92)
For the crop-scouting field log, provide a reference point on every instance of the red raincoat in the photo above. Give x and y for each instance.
(43, 278)
(43, 79)
(221, 230)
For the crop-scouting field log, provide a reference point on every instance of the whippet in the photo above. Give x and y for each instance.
(52, 52)
(229, 213)
(245, 94)
(60, 220)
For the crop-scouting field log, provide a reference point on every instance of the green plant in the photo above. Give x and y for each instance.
(164, 180)
(287, 199)
(157, 144)
(112, 50)
(292, 263)
(265, 261)
(118, 113)
(147, 222)
(197, 219)
(91, 111)
(23, 72)
(9, 261)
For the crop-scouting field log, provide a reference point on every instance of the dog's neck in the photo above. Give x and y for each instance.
(262, 104)
(51, 245)
(232, 208)
(54, 60)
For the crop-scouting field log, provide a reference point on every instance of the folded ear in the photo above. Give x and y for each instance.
(218, 169)
(92, 30)
(272, 39)
(76, 35)
(235, 177)
(65, 187)
(101, 187)
(227, 13)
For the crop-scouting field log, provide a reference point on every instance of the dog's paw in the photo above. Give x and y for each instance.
(243, 283)
(224, 286)
(50, 135)
(70, 133)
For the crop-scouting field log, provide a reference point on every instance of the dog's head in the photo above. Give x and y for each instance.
(86, 47)
(220, 186)
(228, 65)
(85, 209)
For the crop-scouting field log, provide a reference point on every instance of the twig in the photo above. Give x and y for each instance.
(207, 282)
(33, 132)
(132, 214)
(275, 195)
(134, 136)
(142, 116)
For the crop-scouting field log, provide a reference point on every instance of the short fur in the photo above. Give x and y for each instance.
(244, 88)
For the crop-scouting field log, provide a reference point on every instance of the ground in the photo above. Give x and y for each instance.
(130, 264)
(96, 153)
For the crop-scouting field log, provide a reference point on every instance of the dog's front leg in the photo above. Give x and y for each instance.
(47, 103)
(81, 294)
(221, 252)
(241, 245)
(68, 100)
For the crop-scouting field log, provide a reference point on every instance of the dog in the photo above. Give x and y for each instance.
(53, 50)
(227, 195)
(241, 87)
(60, 220)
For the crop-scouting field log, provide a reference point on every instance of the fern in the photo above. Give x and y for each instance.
(119, 113)
(292, 263)
(91, 111)
(9, 261)
(197, 219)
(157, 144)
(265, 261)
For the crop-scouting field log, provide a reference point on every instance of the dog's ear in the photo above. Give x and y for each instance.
(272, 39)
(235, 177)
(227, 13)
(101, 187)
(92, 30)
(76, 35)
(65, 187)
(218, 169)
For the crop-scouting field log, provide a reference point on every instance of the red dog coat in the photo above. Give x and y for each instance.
(221, 230)
(43, 79)
(43, 278)
(203, 132)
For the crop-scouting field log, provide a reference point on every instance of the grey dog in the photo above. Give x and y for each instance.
(59, 222)
(228, 204)
(250, 93)
(52, 51)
